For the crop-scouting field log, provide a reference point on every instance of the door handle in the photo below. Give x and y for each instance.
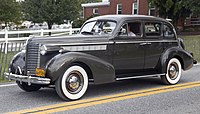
(148, 43)
(142, 44)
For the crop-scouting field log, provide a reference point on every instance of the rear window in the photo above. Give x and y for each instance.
(168, 32)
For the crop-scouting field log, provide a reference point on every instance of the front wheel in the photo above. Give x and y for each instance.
(173, 73)
(28, 88)
(73, 84)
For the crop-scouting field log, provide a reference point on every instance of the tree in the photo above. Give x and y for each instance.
(79, 21)
(51, 11)
(193, 5)
(173, 9)
(91, 1)
(9, 11)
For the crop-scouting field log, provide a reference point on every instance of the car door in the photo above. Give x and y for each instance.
(154, 45)
(128, 54)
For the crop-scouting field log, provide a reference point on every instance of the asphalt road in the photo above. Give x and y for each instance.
(152, 98)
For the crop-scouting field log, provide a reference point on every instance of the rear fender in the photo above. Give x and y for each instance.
(183, 56)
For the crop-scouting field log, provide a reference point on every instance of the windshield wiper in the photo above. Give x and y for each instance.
(87, 33)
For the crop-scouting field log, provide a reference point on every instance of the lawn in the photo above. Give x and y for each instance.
(192, 44)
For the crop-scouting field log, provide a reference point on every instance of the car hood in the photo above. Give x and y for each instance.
(70, 40)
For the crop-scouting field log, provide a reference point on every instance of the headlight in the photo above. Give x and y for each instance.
(43, 49)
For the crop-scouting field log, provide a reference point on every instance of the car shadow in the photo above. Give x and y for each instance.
(123, 86)
(49, 95)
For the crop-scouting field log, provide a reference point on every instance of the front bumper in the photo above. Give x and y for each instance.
(28, 79)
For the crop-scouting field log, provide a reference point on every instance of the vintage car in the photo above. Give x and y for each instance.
(107, 49)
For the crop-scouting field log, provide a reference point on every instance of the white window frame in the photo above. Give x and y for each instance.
(151, 8)
(117, 12)
(94, 11)
(135, 8)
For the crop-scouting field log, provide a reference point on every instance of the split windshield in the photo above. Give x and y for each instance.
(98, 28)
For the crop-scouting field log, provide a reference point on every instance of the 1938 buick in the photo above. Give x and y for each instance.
(103, 52)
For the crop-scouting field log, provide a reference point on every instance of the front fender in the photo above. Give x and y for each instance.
(102, 71)
(183, 56)
(18, 61)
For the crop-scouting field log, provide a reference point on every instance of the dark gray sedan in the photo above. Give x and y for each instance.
(108, 48)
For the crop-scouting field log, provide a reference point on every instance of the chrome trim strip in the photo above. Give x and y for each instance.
(91, 80)
(20, 71)
(135, 42)
(144, 76)
(84, 48)
(82, 44)
(28, 79)
(38, 61)
(131, 42)
(110, 42)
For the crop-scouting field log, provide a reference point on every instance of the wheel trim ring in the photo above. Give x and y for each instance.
(63, 83)
(179, 73)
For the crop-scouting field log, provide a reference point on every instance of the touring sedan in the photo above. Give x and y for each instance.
(107, 49)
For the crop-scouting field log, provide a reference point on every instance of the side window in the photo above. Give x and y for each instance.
(152, 29)
(168, 31)
(131, 29)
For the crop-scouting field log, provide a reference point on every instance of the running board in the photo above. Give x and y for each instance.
(144, 76)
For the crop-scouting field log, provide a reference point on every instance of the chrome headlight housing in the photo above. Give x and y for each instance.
(43, 50)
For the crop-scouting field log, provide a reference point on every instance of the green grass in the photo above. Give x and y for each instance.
(192, 44)
(4, 64)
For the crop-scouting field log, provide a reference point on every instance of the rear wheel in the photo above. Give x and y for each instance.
(73, 84)
(28, 88)
(173, 73)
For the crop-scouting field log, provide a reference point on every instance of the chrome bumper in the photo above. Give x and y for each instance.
(30, 80)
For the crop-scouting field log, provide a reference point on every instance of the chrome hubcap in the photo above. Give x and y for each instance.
(173, 71)
(74, 82)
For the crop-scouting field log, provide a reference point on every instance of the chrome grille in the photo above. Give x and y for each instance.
(32, 58)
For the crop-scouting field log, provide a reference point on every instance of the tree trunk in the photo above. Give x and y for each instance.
(6, 25)
(49, 27)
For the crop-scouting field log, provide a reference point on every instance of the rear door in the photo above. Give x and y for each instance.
(154, 45)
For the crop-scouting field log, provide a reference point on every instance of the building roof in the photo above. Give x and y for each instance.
(96, 4)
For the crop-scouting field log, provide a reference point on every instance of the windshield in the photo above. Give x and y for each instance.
(98, 28)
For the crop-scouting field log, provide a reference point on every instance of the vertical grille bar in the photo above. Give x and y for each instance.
(32, 57)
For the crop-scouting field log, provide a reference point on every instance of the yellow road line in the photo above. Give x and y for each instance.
(106, 99)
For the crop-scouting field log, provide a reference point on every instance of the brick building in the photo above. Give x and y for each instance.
(134, 7)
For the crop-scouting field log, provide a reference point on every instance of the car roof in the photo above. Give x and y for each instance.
(127, 17)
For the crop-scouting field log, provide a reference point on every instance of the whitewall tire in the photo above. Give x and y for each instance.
(173, 73)
(73, 83)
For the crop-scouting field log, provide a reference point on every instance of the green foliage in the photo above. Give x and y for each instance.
(51, 11)
(173, 9)
(9, 11)
(91, 1)
(193, 5)
(78, 23)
